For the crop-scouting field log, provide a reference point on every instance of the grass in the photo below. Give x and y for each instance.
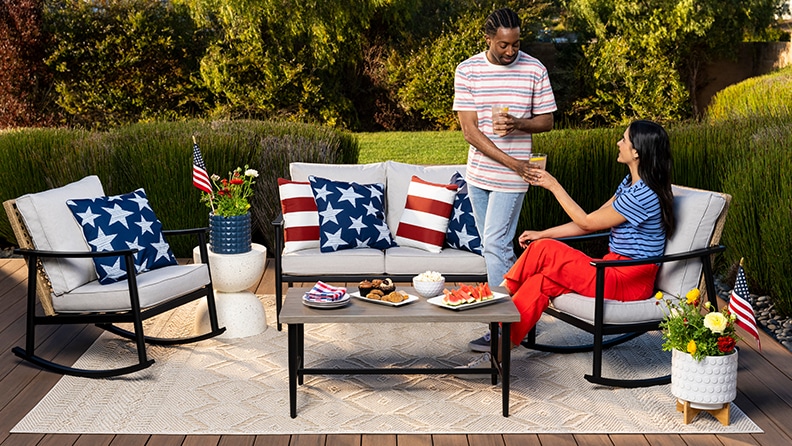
(443, 147)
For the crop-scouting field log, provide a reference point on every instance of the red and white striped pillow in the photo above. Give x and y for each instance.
(425, 219)
(300, 216)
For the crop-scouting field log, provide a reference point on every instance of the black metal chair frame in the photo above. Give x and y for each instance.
(599, 329)
(107, 320)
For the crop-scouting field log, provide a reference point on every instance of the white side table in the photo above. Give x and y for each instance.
(238, 309)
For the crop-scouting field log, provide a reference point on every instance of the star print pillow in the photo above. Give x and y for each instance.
(462, 232)
(122, 222)
(351, 215)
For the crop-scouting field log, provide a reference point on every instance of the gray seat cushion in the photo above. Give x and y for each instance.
(348, 261)
(154, 287)
(697, 212)
(407, 260)
(53, 228)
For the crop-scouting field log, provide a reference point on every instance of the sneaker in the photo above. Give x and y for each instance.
(482, 362)
(482, 344)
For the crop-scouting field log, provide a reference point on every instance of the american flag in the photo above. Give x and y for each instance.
(741, 307)
(199, 176)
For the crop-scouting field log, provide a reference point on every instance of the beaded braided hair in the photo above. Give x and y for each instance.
(502, 18)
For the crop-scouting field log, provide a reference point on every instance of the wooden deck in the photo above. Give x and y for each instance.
(764, 394)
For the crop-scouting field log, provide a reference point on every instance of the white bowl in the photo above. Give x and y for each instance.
(429, 289)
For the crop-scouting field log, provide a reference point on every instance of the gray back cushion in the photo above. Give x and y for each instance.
(697, 212)
(53, 228)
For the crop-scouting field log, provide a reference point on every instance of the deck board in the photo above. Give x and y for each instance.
(764, 394)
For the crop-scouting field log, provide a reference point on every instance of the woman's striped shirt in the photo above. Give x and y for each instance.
(643, 234)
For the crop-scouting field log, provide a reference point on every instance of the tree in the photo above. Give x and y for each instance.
(25, 80)
(647, 59)
(295, 60)
(424, 77)
(123, 61)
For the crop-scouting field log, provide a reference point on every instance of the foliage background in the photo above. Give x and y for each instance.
(353, 64)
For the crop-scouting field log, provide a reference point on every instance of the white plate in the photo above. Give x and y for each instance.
(333, 304)
(439, 302)
(410, 299)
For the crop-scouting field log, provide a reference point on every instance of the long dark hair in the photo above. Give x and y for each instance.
(654, 165)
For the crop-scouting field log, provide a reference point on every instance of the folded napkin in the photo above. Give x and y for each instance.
(322, 292)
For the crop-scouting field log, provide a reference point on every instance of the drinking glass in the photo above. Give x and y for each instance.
(540, 159)
(497, 110)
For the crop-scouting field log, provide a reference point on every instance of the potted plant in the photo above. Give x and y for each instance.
(704, 354)
(229, 219)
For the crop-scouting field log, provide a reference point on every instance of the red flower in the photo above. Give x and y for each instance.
(726, 344)
(236, 180)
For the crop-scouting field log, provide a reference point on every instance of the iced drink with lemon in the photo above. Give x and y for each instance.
(540, 159)
(497, 111)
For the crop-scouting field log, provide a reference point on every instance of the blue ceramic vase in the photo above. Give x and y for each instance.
(229, 235)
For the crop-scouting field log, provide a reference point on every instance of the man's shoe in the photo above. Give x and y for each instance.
(483, 362)
(481, 345)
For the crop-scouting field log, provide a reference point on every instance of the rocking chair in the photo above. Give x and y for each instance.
(62, 276)
(685, 265)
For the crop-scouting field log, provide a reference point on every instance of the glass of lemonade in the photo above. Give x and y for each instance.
(497, 110)
(540, 159)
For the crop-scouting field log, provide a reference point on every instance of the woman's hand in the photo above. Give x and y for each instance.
(527, 237)
(540, 177)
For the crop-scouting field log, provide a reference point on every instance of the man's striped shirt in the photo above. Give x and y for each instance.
(525, 88)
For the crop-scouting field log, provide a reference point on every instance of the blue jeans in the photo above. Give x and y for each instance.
(496, 215)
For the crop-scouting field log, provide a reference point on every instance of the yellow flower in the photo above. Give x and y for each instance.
(716, 322)
(691, 347)
(692, 296)
(659, 295)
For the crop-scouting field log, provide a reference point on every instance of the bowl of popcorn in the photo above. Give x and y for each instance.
(429, 284)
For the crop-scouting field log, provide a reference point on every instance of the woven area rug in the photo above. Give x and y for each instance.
(240, 386)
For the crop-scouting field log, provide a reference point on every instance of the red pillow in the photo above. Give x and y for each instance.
(300, 216)
(425, 219)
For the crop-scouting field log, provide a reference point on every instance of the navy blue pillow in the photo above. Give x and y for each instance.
(122, 222)
(462, 232)
(351, 215)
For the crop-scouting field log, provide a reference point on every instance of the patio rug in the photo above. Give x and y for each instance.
(240, 386)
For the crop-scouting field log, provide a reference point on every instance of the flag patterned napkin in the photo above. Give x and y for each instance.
(322, 292)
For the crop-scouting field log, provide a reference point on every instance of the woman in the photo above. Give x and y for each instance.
(640, 216)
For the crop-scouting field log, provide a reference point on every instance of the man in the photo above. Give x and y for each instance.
(500, 144)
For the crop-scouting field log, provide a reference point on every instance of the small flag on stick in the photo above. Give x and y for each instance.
(199, 176)
(740, 306)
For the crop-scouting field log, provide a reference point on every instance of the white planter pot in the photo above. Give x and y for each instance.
(706, 384)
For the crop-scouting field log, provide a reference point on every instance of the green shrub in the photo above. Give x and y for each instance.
(762, 96)
(158, 157)
(760, 219)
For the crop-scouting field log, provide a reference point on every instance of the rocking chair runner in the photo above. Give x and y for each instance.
(686, 264)
(61, 274)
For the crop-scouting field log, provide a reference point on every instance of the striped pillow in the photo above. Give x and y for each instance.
(300, 217)
(425, 219)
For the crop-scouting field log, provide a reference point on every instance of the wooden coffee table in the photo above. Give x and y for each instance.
(296, 315)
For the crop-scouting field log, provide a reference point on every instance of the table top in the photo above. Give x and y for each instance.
(360, 311)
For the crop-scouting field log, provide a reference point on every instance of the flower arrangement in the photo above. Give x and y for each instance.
(232, 193)
(694, 328)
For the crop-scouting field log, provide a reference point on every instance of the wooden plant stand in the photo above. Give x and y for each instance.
(721, 414)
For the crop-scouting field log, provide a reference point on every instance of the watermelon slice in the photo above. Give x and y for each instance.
(453, 299)
(485, 292)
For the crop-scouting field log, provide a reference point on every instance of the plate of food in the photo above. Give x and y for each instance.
(392, 299)
(466, 297)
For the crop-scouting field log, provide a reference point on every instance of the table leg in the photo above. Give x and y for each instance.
(506, 366)
(494, 328)
(301, 352)
(293, 364)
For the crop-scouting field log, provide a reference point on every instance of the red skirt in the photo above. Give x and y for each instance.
(549, 268)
